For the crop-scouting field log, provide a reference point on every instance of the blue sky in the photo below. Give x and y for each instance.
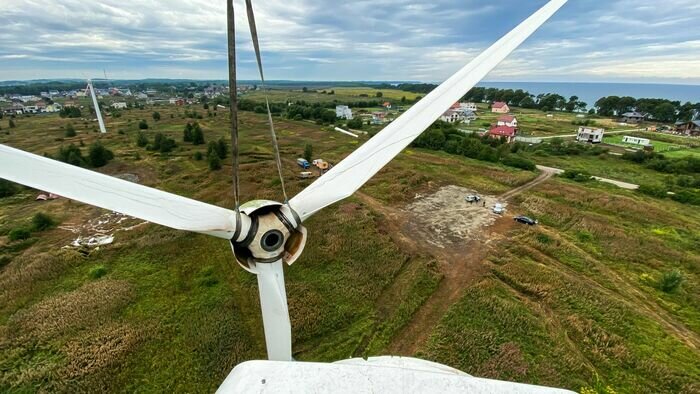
(588, 40)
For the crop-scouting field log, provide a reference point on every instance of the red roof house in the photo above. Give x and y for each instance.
(508, 120)
(500, 107)
(503, 132)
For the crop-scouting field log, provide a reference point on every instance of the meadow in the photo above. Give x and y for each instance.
(574, 302)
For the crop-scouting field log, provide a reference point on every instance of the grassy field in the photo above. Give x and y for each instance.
(570, 303)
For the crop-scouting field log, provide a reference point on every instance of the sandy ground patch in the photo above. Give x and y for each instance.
(446, 219)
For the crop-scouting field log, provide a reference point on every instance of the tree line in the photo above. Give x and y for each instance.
(445, 137)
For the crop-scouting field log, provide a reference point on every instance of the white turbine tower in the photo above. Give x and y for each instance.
(96, 105)
(265, 235)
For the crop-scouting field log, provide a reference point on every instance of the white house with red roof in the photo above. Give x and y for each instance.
(503, 132)
(508, 120)
(500, 107)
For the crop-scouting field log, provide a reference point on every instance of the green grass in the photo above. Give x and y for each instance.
(566, 303)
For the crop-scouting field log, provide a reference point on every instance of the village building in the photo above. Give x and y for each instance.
(636, 140)
(343, 112)
(691, 129)
(500, 107)
(119, 105)
(508, 120)
(55, 107)
(632, 117)
(387, 105)
(503, 132)
(468, 106)
(453, 116)
(590, 134)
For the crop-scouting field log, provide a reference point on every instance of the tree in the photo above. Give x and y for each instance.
(197, 135)
(222, 148)
(308, 152)
(671, 280)
(98, 155)
(70, 130)
(71, 154)
(143, 125)
(304, 89)
(141, 139)
(214, 161)
(156, 116)
(12, 124)
(355, 123)
(379, 94)
(188, 135)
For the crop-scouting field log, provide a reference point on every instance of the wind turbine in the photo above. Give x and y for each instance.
(96, 105)
(264, 235)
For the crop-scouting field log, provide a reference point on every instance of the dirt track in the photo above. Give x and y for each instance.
(458, 235)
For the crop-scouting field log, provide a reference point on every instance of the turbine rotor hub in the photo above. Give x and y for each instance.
(275, 233)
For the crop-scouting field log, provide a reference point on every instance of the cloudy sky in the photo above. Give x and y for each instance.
(588, 40)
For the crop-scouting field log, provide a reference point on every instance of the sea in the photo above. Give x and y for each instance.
(590, 92)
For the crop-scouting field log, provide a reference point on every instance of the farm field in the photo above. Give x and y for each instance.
(574, 302)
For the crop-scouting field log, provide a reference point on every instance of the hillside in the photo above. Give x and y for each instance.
(573, 302)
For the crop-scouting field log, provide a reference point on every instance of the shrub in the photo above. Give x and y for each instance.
(671, 280)
(70, 130)
(187, 135)
(7, 188)
(98, 155)
(141, 139)
(19, 234)
(71, 154)
(653, 190)
(214, 162)
(544, 239)
(197, 134)
(143, 125)
(97, 272)
(156, 116)
(42, 221)
(198, 156)
(308, 152)
(12, 124)
(519, 162)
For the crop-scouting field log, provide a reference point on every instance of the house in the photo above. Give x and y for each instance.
(141, 96)
(468, 106)
(16, 109)
(500, 107)
(503, 132)
(508, 120)
(387, 105)
(636, 140)
(452, 116)
(119, 105)
(691, 128)
(590, 134)
(55, 107)
(343, 112)
(632, 117)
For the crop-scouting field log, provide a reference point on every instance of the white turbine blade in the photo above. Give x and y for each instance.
(115, 194)
(356, 169)
(97, 108)
(338, 129)
(273, 303)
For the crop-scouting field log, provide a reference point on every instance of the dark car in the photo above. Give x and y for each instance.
(525, 220)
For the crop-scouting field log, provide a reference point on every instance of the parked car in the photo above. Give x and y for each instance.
(498, 208)
(472, 198)
(525, 220)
